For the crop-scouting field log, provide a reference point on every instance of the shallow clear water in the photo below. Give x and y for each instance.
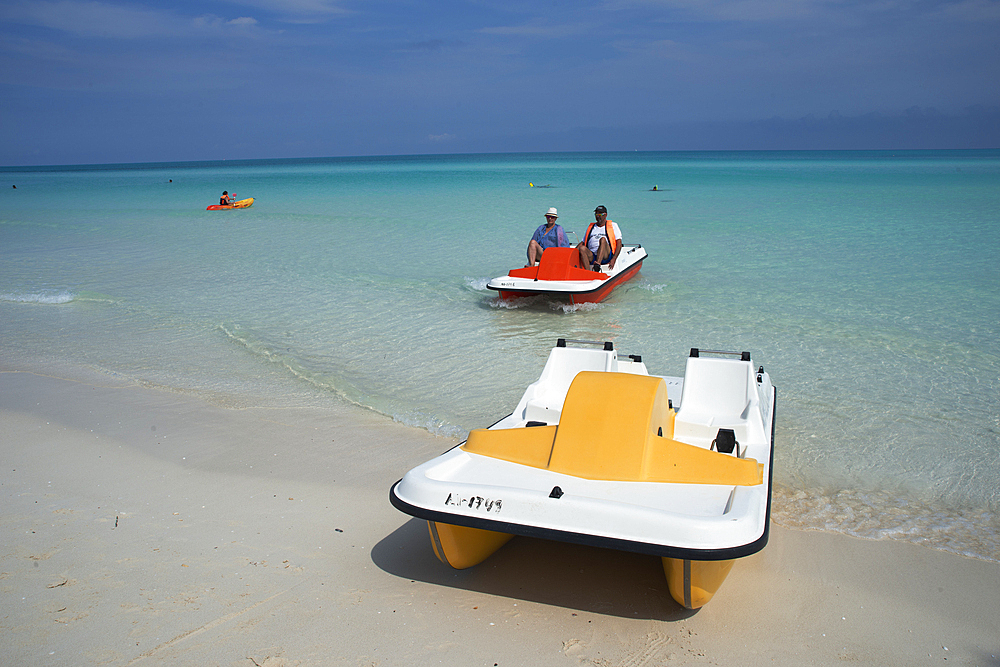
(865, 282)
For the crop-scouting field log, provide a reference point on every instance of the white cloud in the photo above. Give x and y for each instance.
(36, 49)
(972, 11)
(767, 11)
(102, 19)
(91, 19)
(666, 49)
(537, 29)
(297, 11)
(720, 10)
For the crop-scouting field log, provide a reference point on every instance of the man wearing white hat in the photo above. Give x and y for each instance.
(549, 235)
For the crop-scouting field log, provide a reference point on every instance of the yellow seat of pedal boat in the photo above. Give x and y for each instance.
(615, 427)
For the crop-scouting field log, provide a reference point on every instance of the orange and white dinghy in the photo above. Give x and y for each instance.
(560, 274)
(596, 453)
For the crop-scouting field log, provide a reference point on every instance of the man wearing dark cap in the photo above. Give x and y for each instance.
(602, 242)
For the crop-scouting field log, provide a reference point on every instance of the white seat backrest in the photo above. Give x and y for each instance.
(719, 387)
(565, 362)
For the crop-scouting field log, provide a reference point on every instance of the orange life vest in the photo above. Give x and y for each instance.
(609, 229)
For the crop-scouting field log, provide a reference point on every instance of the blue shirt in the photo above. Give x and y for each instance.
(555, 238)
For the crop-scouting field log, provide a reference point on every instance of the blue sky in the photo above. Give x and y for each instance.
(95, 81)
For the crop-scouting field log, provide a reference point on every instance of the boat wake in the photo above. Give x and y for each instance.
(543, 302)
(575, 307)
(477, 284)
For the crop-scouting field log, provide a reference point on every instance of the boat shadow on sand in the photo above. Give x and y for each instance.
(586, 579)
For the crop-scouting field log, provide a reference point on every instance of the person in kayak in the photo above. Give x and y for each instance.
(549, 235)
(602, 242)
(225, 199)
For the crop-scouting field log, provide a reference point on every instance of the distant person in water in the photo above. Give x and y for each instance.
(602, 242)
(549, 235)
(225, 199)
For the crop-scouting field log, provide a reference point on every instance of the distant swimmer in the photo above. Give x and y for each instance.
(225, 199)
(14, 186)
(655, 188)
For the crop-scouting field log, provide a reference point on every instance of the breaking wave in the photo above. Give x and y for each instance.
(46, 297)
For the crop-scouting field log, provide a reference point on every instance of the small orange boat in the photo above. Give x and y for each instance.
(560, 274)
(243, 203)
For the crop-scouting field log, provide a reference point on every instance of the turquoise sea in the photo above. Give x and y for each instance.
(866, 283)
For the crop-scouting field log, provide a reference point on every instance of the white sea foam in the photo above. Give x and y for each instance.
(43, 297)
(431, 424)
(543, 302)
(477, 284)
(575, 307)
(877, 515)
(514, 303)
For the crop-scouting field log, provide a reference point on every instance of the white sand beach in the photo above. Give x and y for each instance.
(141, 526)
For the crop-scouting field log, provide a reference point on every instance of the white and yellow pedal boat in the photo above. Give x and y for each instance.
(597, 454)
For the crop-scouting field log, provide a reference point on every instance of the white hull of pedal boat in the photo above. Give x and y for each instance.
(559, 274)
(596, 453)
